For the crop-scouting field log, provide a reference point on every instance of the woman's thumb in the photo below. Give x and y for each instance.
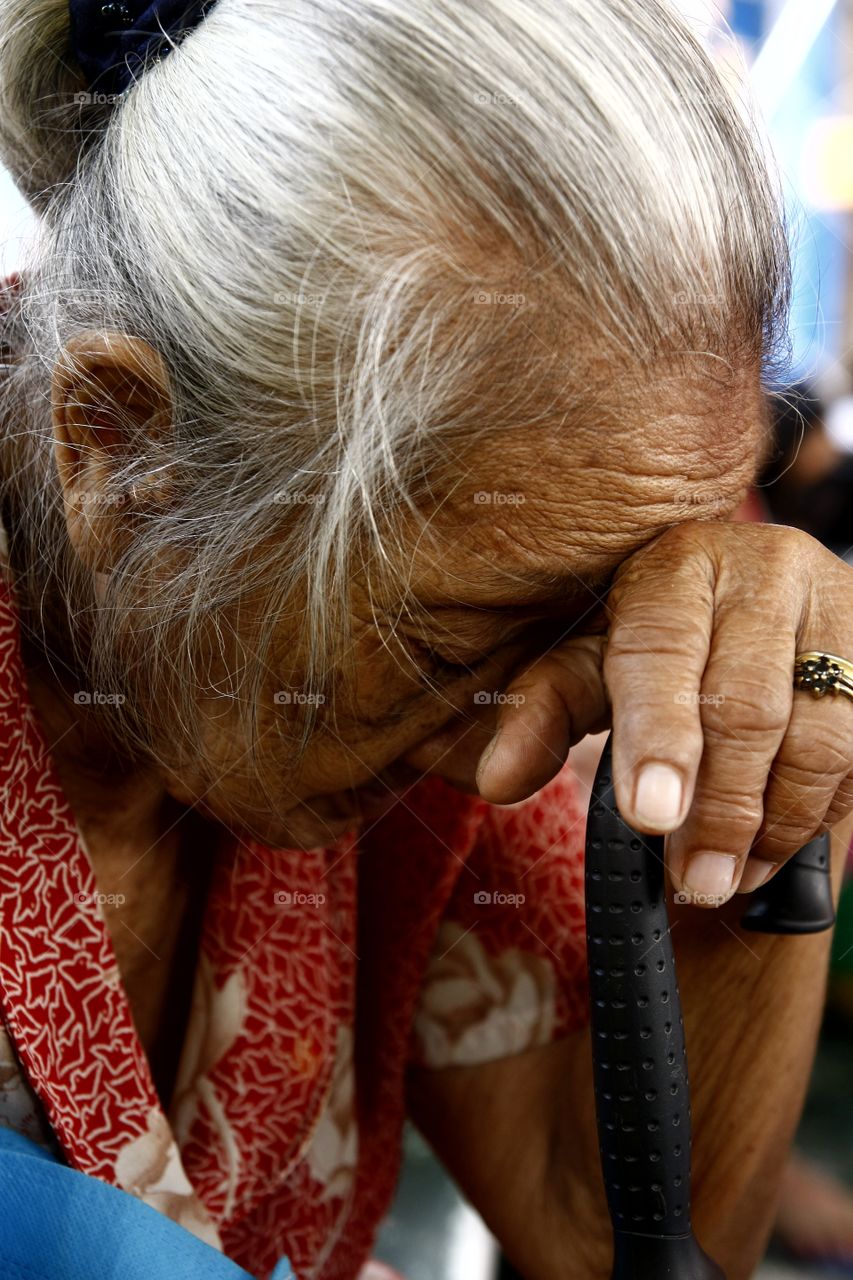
(547, 708)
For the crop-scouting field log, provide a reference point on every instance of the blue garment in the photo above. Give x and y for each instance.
(59, 1224)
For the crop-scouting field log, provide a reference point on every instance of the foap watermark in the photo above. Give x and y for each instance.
(496, 98)
(84, 99)
(485, 898)
(496, 698)
(296, 298)
(699, 497)
(690, 298)
(101, 899)
(495, 298)
(684, 699)
(289, 498)
(98, 698)
(498, 498)
(298, 698)
(95, 498)
(287, 898)
(700, 899)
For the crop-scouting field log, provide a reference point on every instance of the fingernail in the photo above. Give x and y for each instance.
(756, 872)
(483, 762)
(709, 878)
(659, 796)
(676, 869)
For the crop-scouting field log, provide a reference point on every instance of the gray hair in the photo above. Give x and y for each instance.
(301, 208)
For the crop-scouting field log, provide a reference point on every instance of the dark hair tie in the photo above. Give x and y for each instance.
(112, 42)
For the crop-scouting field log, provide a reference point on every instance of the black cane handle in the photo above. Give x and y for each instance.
(642, 1090)
(639, 1061)
(798, 899)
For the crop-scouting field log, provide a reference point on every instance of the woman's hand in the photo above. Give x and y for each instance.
(712, 743)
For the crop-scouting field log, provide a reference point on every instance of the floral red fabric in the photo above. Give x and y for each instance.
(450, 932)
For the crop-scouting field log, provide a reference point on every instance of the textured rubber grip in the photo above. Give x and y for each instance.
(799, 897)
(639, 1060)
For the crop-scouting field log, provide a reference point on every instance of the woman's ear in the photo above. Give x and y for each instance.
(111, 405)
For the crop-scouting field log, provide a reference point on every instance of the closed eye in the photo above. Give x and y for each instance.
(449, 669)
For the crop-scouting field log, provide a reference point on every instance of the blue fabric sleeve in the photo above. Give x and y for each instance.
(59, 1224)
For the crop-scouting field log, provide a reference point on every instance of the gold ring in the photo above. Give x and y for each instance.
(822, 673)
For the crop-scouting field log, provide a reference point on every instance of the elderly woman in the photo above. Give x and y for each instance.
(379, 387)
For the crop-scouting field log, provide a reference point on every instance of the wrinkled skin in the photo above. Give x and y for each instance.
(611, 530)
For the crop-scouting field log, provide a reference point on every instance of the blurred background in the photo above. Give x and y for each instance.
(796, 58)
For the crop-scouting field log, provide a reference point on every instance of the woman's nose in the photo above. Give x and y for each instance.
(454, 750)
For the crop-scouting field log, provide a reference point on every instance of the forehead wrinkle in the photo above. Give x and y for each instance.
(638, 493)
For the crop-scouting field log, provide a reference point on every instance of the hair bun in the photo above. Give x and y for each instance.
(41, 121)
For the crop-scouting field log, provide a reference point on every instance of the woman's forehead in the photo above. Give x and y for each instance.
(531, 517)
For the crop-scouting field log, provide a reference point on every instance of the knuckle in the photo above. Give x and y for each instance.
(791, 830)
(788, 539)
(664, 569)
(812, 761)
(644, 647)
(545, 677)
(735, 815)
(688, 536)
(841, 806)
(782, 543)
(818, 742)
(746, 709)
